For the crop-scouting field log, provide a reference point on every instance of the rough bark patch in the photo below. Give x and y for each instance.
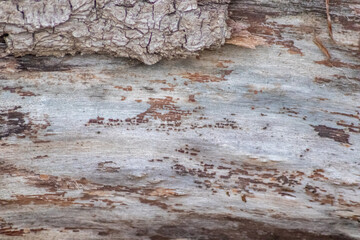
(145, 30)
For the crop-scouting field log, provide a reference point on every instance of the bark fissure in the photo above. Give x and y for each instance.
(144, 30)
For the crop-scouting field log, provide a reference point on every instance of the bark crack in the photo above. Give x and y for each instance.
(146, 30)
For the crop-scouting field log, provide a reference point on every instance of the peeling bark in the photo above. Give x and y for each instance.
(283, 22)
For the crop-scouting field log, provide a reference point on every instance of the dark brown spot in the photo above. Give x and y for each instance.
(336, 134)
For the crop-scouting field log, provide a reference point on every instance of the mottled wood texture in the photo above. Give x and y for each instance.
(234, 144)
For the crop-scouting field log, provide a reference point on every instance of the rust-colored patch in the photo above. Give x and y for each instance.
(163, 192)
(153, 203)
(156, 111)
(170, 89)
(51, 199)
(255, 91)
(336, 134)
(240, 36)
(202, 78)
(321, 80)
(188, 150)
(318, 175)
(347, 77)
(339, 64)
(350, 126)
(127, 88)
(247, 40)
(8, 229)
(163, 109)
(44, 177)
(316, 194)
(289, 44)
(357, 116)
(192, 98)
(19, 91)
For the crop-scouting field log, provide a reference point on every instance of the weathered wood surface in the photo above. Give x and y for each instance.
(285, 23)
(235, 144)
(229, 146)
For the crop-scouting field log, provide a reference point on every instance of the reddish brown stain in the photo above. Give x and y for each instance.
(19, 91)
(163, 109)
(188, 150)
(351, 126)
(127, 88)
(336, 134)
(170, 89)
(357, 116)
(10, 231)
(321, 80)
(318, 175)
(316, 194)
(346, 77)
(192, 98)
(45, 199)
(154, 203)
(338, 64)
(202, 78)
(291, 47)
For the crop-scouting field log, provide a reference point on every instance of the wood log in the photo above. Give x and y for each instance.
(261, 142)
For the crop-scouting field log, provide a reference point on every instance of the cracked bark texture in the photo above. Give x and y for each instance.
(147, 30)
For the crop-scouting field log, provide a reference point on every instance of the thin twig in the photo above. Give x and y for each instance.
(322, 47)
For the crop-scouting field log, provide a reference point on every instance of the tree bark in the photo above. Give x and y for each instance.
(145, 30)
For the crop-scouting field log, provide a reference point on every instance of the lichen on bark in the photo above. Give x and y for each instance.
(147, 30)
